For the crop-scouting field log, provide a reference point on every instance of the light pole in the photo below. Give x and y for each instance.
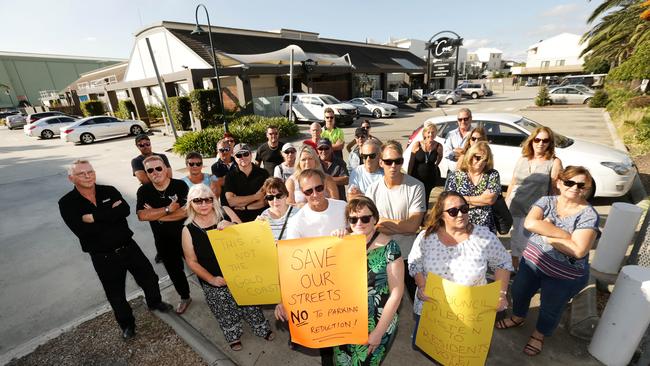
(199, 30)
(456, 42)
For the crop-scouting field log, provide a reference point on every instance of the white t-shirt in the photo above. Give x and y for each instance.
(309, 223)
(398, 203)
(361, 178)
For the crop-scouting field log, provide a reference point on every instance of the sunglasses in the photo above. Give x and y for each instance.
(224, 149)
(537, 140)
(460, 119)
(329, 117)
(477, 158)
(270, 197)
(453, 212)
(244, 154)
(474, 138)
(368, 156)
(310, 191)
(199, 201)
(194, 164)
(389, 162)
(158, 169)
(323, 148)
(144, 144)
(290, 151)
(569, 183)
(364, 219)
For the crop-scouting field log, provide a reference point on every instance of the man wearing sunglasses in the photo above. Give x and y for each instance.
(97, 214)
(333, 166)
(243, 187)
(161, 203)
(268, 155)
(225, 164)
(453, 146)
(143, 144)
(400, 201)
(286, 169)
(369, 172)
(333, 133)
(354, 159)
(195, 175)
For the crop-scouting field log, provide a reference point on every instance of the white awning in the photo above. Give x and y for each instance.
(283, 57)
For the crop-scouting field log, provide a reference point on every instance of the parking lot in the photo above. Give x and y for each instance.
(46, 280)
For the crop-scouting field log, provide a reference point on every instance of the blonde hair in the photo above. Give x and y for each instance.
(527, 146)
(202, 191)
(309, 150)
(479, 146)
(428, 127)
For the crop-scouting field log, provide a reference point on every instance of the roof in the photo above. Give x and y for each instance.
(115, 74)
(64, 57)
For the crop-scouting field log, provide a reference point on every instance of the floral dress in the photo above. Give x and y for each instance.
(378, 294)
(458, 181)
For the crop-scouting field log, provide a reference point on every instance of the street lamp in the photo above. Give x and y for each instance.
(455, 42)
(199, 30)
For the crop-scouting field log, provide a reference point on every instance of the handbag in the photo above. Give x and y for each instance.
(502, 216)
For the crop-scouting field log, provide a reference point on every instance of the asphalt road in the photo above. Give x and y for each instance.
(45, 279)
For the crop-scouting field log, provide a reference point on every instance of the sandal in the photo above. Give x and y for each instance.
(183, 305)
(501, 324)
(269, 336)
(236, 345)
(531, 350)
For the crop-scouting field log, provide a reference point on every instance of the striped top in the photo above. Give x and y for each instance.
(551, 261)
(277, 224)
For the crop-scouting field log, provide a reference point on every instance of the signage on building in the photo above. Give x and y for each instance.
(378, 94)
(392, 96)
(309, 65)
(442, 47)
(442, 69)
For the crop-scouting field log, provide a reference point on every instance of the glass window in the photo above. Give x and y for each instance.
(315, 101)
(503, 134)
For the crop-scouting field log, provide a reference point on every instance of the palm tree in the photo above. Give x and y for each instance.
(618, 32)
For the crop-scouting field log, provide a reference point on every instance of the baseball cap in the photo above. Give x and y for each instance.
(287, 146)
(323, 142)
(241, 147)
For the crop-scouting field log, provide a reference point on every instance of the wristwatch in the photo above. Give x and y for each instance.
(167, 210)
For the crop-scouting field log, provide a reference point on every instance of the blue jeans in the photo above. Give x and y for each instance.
(555, 294)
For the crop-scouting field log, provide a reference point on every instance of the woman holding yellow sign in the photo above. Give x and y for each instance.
(205, 213)
(385, 286)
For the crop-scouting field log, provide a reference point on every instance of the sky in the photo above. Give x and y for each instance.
(107, 28)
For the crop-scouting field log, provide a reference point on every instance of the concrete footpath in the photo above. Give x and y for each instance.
(201, 331)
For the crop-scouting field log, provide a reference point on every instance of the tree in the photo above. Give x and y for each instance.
(542, 98)
(637, 67)
(596, 65)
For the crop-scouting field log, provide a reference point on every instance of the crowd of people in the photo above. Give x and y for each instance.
(307, 189)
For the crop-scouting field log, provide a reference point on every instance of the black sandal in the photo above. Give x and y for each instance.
(531, 350)
(501, 324)
(236, 345)
(269, 336)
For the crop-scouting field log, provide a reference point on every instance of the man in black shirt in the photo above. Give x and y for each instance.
(225, 164)
(143, 144)
(97, 214)
(269, 154)
(161, 203)
(333, 166)
(244, 187)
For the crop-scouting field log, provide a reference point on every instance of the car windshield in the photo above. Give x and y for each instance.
(328, 99)
(561, 141)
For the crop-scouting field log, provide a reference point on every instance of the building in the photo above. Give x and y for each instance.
(30, 77)
(556, 56)
(254, 67)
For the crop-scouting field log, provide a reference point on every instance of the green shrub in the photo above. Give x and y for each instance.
(636, 67)
(599, 100)
(542, 98)
(643, 130)
(250, 129)
(618, 98)
(124, 109)
(155, 111)
(92, 108)
(180, 108)
(642, 101)
(205, 106)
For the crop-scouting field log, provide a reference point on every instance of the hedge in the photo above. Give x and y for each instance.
(205, 107)
(250, 129)
(599, 100)
(92, 108)
(154, 111)
(124, 109)
(180, 108)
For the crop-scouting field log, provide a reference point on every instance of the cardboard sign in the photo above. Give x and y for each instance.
(456, 328)
(249, 261)
(324, 290)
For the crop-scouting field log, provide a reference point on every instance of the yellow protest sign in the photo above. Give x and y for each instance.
(249, 261)
(456, 327)
(324, 290)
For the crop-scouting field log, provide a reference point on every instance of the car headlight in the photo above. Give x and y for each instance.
(619, 168)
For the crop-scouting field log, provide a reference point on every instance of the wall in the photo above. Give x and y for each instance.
(565, 46)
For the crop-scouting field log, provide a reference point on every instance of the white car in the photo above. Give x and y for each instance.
(569, 95)
(87, 130)
(447, 96)
(613, 170)
(48, 127)
(371, 107)
(311, 108)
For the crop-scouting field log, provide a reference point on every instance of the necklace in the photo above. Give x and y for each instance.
(163, 193)
(372, 240)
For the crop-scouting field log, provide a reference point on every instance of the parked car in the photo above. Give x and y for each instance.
(15, 121)
(613, 170)
(87, 130)
(311, 107)
(569, 95)
(7, 113)
(582, 88)
(531, 82)
(447, 96)
(372, 107)
(33, 117)
(471, 90)
(488, 92)
(48, 127)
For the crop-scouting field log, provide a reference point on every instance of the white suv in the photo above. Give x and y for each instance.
(311, 107)
(473, 90)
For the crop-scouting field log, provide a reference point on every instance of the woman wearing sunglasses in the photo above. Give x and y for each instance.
(425, 157)
(563, 230)
(476, 135)
(308, 159)
(195, 175)
(533, 177)
(205, 213)
(279, 211)
(385, 285)
(453, 248)
(478, 182)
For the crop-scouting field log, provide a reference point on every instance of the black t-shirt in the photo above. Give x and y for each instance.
(220, 170)
(338, 168)
(242, 185)
(270, 157)
(136, 163)
(164, 231)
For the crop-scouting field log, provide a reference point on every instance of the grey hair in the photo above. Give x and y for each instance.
(70, 168)
(371, 142)
(465, 110)
(201, 191)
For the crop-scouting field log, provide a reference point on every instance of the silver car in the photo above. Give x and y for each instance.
(15, 121)
(569, 95)
(371, 107)
(447, 96)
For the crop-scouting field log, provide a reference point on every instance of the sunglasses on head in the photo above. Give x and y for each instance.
(368, 156)
(144, 144)
(453, 212)
(191, 163)
(569, 183)
(389, 162)
(290, 151)
(224, 149)
(270, 197)
(465, 119)
(200, 200)
(158, 169)
(310, 191)
(364, 219)
(243, 154)
(537, 140)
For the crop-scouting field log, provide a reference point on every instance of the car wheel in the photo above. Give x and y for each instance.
(549, 101)
(474, 95)
(376, 113)
(136, 130)
(47, 134)
(293, 118)
(587, 101)
(450, 101)
(87, 138)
